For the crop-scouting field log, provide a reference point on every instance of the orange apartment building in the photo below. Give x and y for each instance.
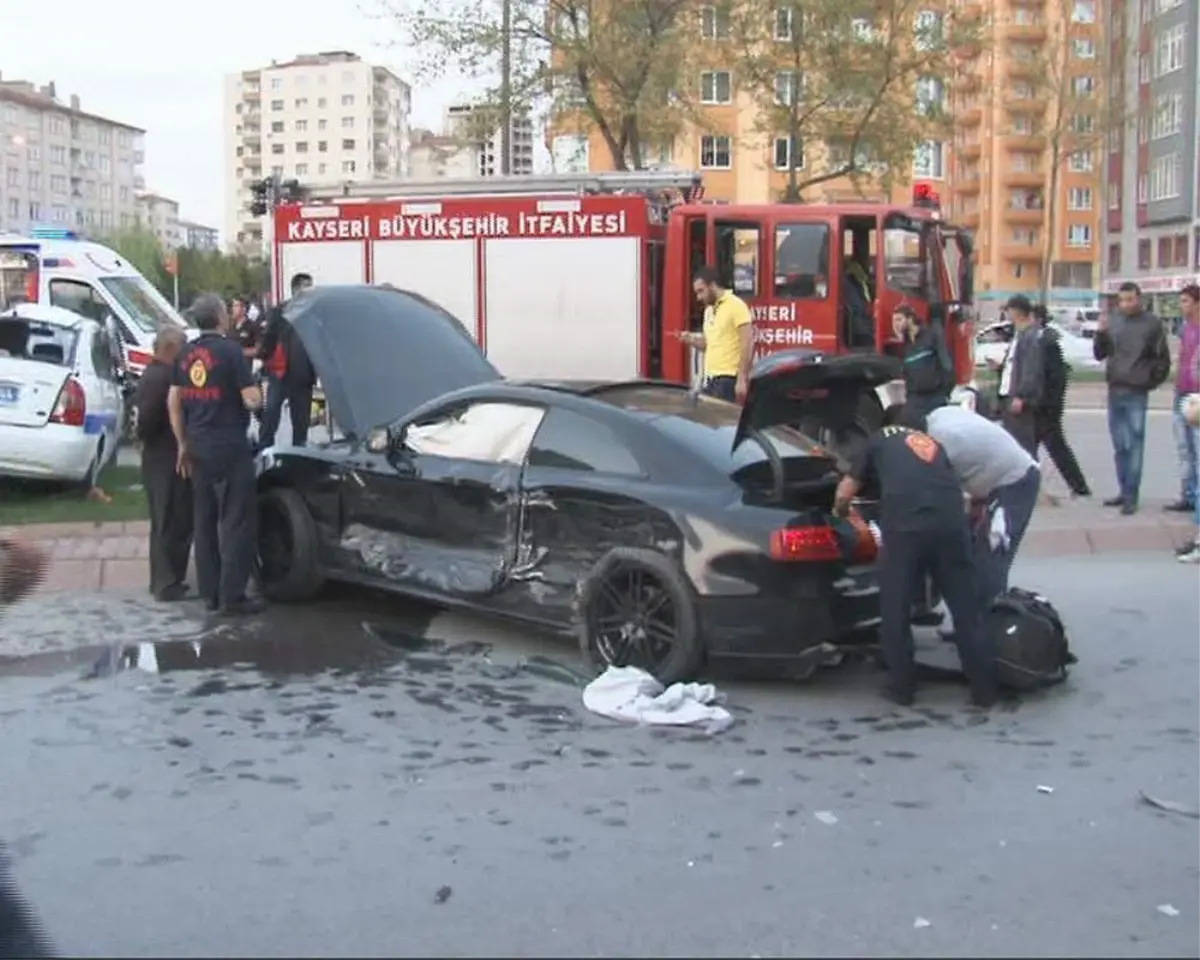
(739, 162)
(1000, 176)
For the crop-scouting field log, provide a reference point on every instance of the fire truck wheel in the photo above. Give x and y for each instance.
(287, 547)
(637, 610)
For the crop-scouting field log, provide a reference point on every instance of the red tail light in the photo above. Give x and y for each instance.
(32, 282)
(71, 408)
(805, 544)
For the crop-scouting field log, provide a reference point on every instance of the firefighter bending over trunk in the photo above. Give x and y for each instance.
(727, 341)
(923, 520)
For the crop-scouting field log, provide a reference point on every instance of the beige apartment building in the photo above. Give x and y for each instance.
(160, 216)
(323, 119)
(1003, 108)
(61, 166)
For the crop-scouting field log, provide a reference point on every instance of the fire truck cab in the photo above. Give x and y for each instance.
(590, 276)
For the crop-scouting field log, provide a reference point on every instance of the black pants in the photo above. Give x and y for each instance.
(169, 497)
(223, 489)
(1021, 426)
(722, 388)
(924, 403)
(299, 401)
(946, 556)
(1048, 430)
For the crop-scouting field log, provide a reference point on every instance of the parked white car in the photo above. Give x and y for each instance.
(61, 403)
(991, 344)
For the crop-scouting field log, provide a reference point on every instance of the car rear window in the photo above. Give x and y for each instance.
(707, 426)
(38, 341)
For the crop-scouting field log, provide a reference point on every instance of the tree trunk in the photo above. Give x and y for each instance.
(1051, 205)
(792, 194)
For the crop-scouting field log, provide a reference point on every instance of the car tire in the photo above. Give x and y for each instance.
(282, 512)
(91, 478)
(654, 575)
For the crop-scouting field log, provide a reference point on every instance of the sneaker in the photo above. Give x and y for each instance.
(1129, 508)
(246, 607)
(1115, 502)
(900, 696)
(1188, 553)
(173, 593)
(1180, 506)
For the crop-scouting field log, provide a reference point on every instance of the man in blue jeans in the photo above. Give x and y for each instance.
(1133, 345)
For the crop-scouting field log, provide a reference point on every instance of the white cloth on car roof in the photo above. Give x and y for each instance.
(632, 695)
(491, 432)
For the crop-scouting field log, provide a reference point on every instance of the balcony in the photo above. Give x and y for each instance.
(969, 115)
(967, 81)
(1027, 104)
(968, 185)
(1025, 216)
(968, 149)
(970, 220)
(1026, 141)
(1022, 68)
(1034, 30)
(1021, 252)
(1024, 179)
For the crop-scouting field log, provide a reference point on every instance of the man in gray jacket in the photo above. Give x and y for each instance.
(1021, 385)
(1137, 360)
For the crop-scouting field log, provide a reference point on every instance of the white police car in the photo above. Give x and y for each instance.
(61, 401)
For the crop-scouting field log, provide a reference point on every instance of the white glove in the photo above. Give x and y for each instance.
(998, 538)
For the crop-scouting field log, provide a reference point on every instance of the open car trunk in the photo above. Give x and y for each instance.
(35, 360)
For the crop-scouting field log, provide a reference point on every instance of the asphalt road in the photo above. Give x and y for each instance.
(429, 785)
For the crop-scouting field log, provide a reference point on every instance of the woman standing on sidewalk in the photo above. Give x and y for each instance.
(22, 567)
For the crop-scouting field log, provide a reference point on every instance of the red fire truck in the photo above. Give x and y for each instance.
(590, 276)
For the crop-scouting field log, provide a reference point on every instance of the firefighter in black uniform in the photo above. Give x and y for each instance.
(923, 520)
(210, 399)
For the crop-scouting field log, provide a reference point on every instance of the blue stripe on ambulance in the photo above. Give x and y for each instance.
(96, 423)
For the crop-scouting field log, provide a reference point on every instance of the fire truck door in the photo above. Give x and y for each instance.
(655, 263)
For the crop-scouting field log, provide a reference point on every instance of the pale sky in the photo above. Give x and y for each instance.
(160, 66)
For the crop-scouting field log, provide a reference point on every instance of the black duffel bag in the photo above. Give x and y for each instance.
(1029, 640)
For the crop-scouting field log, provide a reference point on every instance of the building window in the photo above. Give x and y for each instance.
(347, 100)
(1114, 257)
(347, 123)
(1079, 198)
(276, 105)
(1165, 176)
(277, 126)
(1083, 11)
(322, 124)
(276, 83)
(347, 144)
(716, 153)
(1079, 235)
(277, 148)
(784, 22)
(302, 103)
(322, 146)
(1083, 123)
(1169, 52)
(1181, 250)
(348, 166)
(1085, 49)
(302, 146)
(787, 87)
(716, 86)
(301, 126)
(1144, 262)
(302, 169)
(929, 160)
(931, 96)
(1165, 251)
(1080, 162)
(1114, 196)
(927, 30)
(1084, 86)
(714, 23)
(789, 153)
(1145, 68)
(1143, 188)
(862, 29)
(1168, 115)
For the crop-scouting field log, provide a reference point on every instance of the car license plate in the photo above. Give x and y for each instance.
(9, 394)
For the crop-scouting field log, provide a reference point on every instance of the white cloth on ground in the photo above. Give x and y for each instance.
(632, 695)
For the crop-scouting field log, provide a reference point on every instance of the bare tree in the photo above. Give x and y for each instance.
(614, 66)
(1077, 97)
(862, 80)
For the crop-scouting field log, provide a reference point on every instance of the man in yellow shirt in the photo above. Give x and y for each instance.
(727, 341)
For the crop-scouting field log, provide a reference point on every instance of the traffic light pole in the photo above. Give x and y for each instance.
(268, 194)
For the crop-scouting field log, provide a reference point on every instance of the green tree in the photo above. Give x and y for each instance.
(144, 251)
(847, 88)
(619, 67)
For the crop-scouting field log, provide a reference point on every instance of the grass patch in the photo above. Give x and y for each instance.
(24, 502)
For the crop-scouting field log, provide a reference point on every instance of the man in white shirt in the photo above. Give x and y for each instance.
(1000, 477)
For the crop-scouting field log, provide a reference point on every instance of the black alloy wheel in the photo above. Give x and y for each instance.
(632, 619)
(288, 547)
(276, 542)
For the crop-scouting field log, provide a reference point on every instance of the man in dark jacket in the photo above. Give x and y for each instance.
(1021, 381)
(168, 494)
(1137, 358)
(1048, 416)
(290, 375)
(928, 368)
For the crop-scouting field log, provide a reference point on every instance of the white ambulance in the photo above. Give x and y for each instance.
(56, 268)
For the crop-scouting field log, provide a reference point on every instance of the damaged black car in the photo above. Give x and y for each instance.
(659, 528)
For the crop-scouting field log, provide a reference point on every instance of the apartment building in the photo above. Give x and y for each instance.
(323, 119)
(196, 236)
(462, 122)
(1152, 187)
(740, 163)
(63, 166)
(1006, 111)
(435, 156)
(159, 215)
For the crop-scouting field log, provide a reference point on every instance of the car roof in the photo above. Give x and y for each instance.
(43, 313)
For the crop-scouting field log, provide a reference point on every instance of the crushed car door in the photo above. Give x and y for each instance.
(438, 514)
